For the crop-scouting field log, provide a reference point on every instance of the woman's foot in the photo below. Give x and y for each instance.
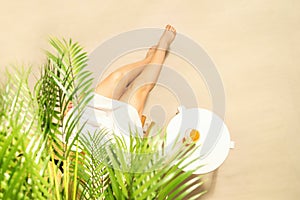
(167, 37)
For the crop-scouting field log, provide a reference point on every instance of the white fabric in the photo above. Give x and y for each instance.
(112, 115)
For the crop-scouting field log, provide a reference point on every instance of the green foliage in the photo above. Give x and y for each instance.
(140, 172)
(23, 150)
(43, 157)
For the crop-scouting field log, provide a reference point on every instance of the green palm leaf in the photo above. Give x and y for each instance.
(140, 172)
(64, 80)
(21, 161)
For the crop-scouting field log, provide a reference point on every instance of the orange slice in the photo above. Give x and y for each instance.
(194, 135)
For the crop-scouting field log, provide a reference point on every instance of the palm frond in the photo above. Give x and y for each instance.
(22, 165)
(64, 80)
(141, 171)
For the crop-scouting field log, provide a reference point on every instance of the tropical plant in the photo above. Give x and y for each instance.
(44, 156)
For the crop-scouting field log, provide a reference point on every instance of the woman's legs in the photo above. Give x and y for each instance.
(137, 92)
(115, 84)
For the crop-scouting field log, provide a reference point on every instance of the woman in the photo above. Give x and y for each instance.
(120, 98)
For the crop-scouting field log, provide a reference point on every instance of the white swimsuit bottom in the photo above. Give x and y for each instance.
(103, 113)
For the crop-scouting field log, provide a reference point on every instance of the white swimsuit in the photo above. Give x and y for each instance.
(112, 115)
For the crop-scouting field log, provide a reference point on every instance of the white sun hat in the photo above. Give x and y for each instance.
(214, 141)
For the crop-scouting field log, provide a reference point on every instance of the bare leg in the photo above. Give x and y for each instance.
(138, 90)
(115, 84)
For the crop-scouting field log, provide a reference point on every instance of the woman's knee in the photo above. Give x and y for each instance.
(116, 76)
(142, 92)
